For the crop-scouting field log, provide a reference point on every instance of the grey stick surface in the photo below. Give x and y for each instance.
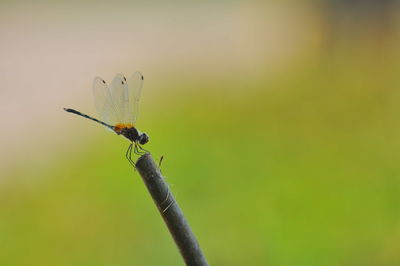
(170, 211)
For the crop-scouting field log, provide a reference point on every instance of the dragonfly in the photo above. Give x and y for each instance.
(118, 107)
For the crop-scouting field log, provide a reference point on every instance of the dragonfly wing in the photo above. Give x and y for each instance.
(103, 101)
(120, 98)
(135, 84)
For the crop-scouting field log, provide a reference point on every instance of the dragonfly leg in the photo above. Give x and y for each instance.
(139, 150)
(128, 155)
(143, 151)
(136, 149)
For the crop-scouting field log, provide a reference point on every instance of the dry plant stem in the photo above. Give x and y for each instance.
(170, 211)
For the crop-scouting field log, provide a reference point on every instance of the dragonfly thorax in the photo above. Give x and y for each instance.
(134, 135)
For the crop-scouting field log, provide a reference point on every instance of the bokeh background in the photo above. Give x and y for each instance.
(279, 122)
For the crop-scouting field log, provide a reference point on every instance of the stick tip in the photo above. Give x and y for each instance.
(144, 157)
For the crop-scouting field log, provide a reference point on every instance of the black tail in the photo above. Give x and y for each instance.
(86, 116)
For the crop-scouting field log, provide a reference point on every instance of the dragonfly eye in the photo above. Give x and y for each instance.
(122, 82)
(143, 139)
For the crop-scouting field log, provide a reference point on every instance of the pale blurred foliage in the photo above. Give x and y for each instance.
(51, 52)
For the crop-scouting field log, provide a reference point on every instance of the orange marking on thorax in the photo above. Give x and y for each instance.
(119, 127)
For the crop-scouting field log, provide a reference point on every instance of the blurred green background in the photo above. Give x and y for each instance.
(279, 123)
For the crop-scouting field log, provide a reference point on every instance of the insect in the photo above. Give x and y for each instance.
(118, 108)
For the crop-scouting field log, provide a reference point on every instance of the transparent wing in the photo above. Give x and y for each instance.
(103, 101)
(135, 84)
(120, 98)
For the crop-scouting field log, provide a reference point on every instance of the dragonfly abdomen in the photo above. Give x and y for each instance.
(69, 110)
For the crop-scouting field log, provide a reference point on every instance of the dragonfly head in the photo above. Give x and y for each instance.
(143, 138)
